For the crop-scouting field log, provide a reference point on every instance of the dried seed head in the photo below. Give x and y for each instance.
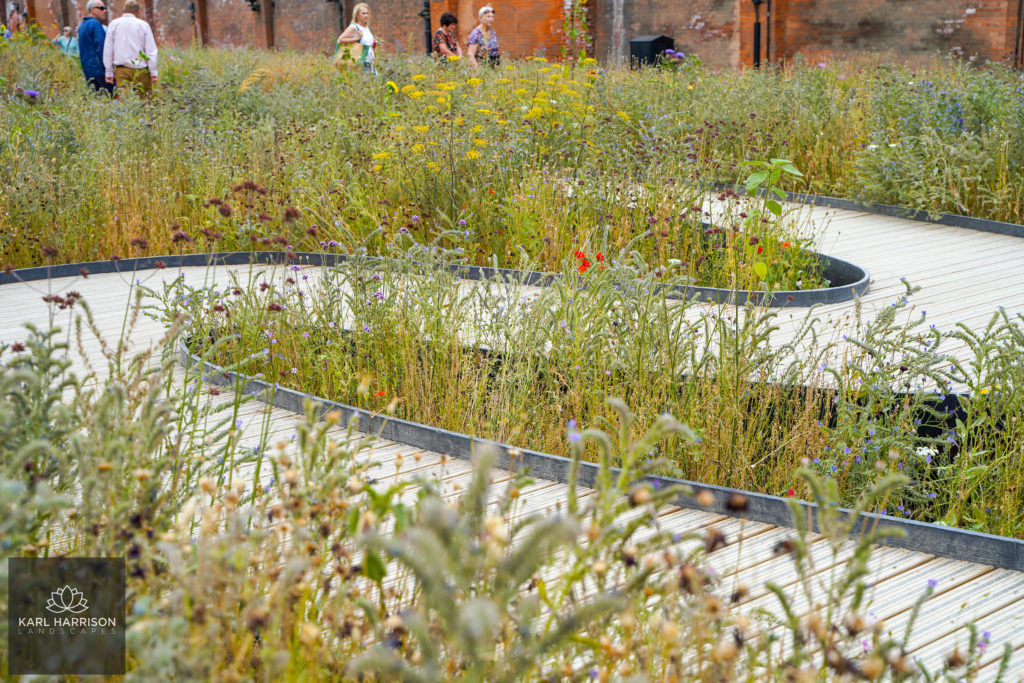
(258, 619)
(599, 567)
(140, 474)
(725, 651)
(309, 633)
(496, 528)
(629, 555)
(705, 498)
(395, 624)
(855, 623)
(355, 484)
(955, 660)
(291, 477)
(332, 418)
(785, 547)
(640, 496)
(740, 593)
(872, 668)
(737, 503)
(207, 485)
(815, 625)
(714, 540)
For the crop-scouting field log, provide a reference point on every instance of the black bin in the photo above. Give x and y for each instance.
(647, 49)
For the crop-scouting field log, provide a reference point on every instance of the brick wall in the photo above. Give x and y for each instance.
(718, 31)
(910, 30)
(707, 28)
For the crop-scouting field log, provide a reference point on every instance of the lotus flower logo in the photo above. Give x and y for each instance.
(67, 599)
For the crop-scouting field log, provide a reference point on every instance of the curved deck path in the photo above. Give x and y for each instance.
(965, 275)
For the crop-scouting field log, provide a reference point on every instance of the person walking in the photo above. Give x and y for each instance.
(483, 41)
(92, 35)
(67, 43)
(446, 44)
(129, 55)
(359, 32)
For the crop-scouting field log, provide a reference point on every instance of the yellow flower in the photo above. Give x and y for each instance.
(431, 166)
(418, 77)
(381, 155)
(393, 114)
(541, 59)
(502, 81)
(458, 120)
(588, 60)
(624, 116)
(408, 89)
(485, 112)
(391, 84)
(400, 128)
(520, 91)
(431, 108)
(421, 129)
(377, 167)
(502, 122)
(476, 129)
(441, 99)
(689, 86)
(472, 154)
(418, 148)
(453, 58)
(446, 85)
(480, 143)
(474, 81)
(416, 94)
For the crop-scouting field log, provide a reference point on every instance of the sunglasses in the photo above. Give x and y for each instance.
(102, 9)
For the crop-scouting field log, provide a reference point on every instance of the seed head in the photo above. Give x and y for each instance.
(737, 503)
(705, 498)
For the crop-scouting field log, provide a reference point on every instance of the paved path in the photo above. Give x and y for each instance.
(964, 275)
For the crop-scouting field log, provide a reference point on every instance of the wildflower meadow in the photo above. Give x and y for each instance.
(596, 197)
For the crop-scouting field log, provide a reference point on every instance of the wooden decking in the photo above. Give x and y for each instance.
(964, 276)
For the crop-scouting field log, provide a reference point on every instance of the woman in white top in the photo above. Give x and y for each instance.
(359, 32)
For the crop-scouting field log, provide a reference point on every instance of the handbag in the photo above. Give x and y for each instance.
(347, 56)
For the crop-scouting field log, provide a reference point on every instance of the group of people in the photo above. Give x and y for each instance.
(482, 46)
(122, 54)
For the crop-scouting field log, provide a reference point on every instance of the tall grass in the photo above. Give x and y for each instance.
(537, 156)
(516, 364)
(325, 569)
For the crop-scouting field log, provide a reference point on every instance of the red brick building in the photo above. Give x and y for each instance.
(718, 31)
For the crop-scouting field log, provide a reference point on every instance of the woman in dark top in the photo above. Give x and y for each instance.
(446, 44)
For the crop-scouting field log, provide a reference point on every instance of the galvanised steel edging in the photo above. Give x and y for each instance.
(920, 215)
(849, 280)
(959, 544)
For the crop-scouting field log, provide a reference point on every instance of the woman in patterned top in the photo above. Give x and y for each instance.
(483, 41)
(446, 44)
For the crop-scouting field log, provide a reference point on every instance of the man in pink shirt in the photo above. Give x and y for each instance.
(129, 52)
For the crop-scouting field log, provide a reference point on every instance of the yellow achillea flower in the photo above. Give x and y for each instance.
(431, 166)
(418, 147)
(472, 154)
(441, 99)
(408, 89)
(476, 129)
(452, 58)
(458, 120)
(485, 112)
(416, 94)
(624, 116)
(502, 81)
(480, 143)
(474, 81)
(418, 77)
(421, 129)
(381, 155)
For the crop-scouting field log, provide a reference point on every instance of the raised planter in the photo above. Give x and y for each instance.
(959, 544)
(847, 280)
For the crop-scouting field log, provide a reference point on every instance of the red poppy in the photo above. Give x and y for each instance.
(759, 250)
(583, 266)
(491, 191)
(599, 256)
(790, 494)
(578, 254)
(786, 245)
(381, 393)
